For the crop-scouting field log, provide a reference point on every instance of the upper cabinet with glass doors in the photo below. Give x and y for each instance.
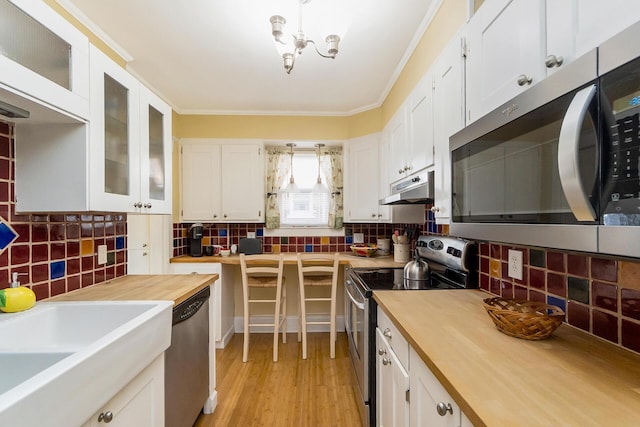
(130, 142)
(44, 60)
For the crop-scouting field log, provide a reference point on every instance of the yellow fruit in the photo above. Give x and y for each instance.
(16, 299)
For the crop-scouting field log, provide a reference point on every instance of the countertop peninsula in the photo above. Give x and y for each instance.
(346, 258)
(570, 379)
(169, 287)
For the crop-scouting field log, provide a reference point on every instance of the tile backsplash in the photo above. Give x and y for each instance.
(599, 295)
(56, 253)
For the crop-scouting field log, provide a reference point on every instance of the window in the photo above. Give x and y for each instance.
(305, 206)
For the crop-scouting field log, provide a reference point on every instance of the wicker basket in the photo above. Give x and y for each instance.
(524, 319)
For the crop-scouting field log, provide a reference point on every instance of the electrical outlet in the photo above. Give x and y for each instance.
(358, 237)
(251, 234)
(515, 264)
(102, 254)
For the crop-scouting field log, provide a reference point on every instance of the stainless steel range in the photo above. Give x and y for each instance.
(452, 264)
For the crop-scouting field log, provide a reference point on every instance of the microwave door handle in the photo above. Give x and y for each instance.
(568, 155)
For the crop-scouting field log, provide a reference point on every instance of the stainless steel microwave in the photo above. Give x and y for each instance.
(558, 166)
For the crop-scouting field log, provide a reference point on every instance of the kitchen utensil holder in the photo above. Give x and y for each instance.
(401, 252)
(528, 320)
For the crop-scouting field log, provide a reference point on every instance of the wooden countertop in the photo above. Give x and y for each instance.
(346, 258)
(176, 287)
(570, 379)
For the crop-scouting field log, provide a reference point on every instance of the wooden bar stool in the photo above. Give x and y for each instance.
(317, 270)
(264, 271)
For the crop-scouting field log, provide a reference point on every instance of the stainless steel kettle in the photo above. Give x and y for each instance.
(416, 273)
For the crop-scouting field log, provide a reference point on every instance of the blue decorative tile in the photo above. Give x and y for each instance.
(120, 242)
(433, 227)
(57, 269)
(259, 232)
(308, 248)
(558, 302)
(222, 232)
(7, 234)
(348, 240)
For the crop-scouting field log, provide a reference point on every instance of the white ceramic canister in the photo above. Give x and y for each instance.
(384, 246)
(401, 252)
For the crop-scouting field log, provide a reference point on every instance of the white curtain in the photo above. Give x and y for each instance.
(333, 171)
(277, 171)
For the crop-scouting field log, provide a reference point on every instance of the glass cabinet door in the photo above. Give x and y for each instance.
(155, 153)
(115, 133)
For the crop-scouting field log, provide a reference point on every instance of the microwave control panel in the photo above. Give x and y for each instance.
(624, 164)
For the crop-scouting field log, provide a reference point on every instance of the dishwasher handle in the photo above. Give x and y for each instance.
(188, 308)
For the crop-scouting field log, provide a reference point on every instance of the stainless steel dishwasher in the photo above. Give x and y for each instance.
(187, 361)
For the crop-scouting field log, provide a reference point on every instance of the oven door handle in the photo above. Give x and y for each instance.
(569, 155)
(347, 287)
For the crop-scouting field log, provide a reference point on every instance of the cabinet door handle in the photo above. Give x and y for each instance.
(523, 79)
(147, 205)
(387, 333)
(106, 417)
(386, 361)
(435, 209)
(215, 216)
(225, 215)
(137, 205)
(553, 61)
(443, 408)
(382, 351)
(400, 171)
(373, 215)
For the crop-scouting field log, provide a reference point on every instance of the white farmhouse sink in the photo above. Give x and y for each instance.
(60, 361)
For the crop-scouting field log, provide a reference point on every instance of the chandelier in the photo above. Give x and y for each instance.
(300, 40)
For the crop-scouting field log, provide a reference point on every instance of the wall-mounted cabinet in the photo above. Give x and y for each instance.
(118, 162)
(49, 72)
(366, 182)
(448, 118)
(222, 181)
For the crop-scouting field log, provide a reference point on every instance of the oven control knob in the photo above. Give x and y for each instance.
(382, 351)
(387, 333)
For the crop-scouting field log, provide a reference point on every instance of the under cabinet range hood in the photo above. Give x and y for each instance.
(417, 189)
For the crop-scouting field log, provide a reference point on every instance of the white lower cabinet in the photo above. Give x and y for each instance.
(407, 392)
(222, 294)
(392, 385)
(140, 403)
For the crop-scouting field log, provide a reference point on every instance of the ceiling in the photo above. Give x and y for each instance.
(218, 57)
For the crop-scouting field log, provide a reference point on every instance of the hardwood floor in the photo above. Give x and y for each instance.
(319, 391)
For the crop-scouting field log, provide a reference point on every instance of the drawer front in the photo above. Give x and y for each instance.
(395, 339)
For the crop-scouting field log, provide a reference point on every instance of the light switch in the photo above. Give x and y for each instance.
(102, 254)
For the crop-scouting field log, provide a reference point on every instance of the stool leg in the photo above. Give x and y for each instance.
(303, 319)
(299, 318)
(245, 346)
(284, 314)
(333, 327)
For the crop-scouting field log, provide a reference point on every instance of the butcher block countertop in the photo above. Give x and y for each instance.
(570, 379)
(168, 287)
(346, 258)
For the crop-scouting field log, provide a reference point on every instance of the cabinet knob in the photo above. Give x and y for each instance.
(524, 80)
(144, 254)
(373, 215)
(435, 209)
(386, 361)
(382, 351)
(144, 245)
(400, 171)
(443, 408)
(379, 215)
(106, 417)
(225, 215)
(553, 61)
(406, 168)
(137, 205)
(215, 216)
(387, 333)
(147, 205)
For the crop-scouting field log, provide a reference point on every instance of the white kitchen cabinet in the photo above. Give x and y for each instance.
(149, 243)
(573, 27)
(449, 95)
(52, 69)
(140, 403)
(420, 125)
(392, 386)
(410, 132)
(130, 142)
(366, 182)
(222, 181)
(222, 296)
(431, 405)
(505, 53)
